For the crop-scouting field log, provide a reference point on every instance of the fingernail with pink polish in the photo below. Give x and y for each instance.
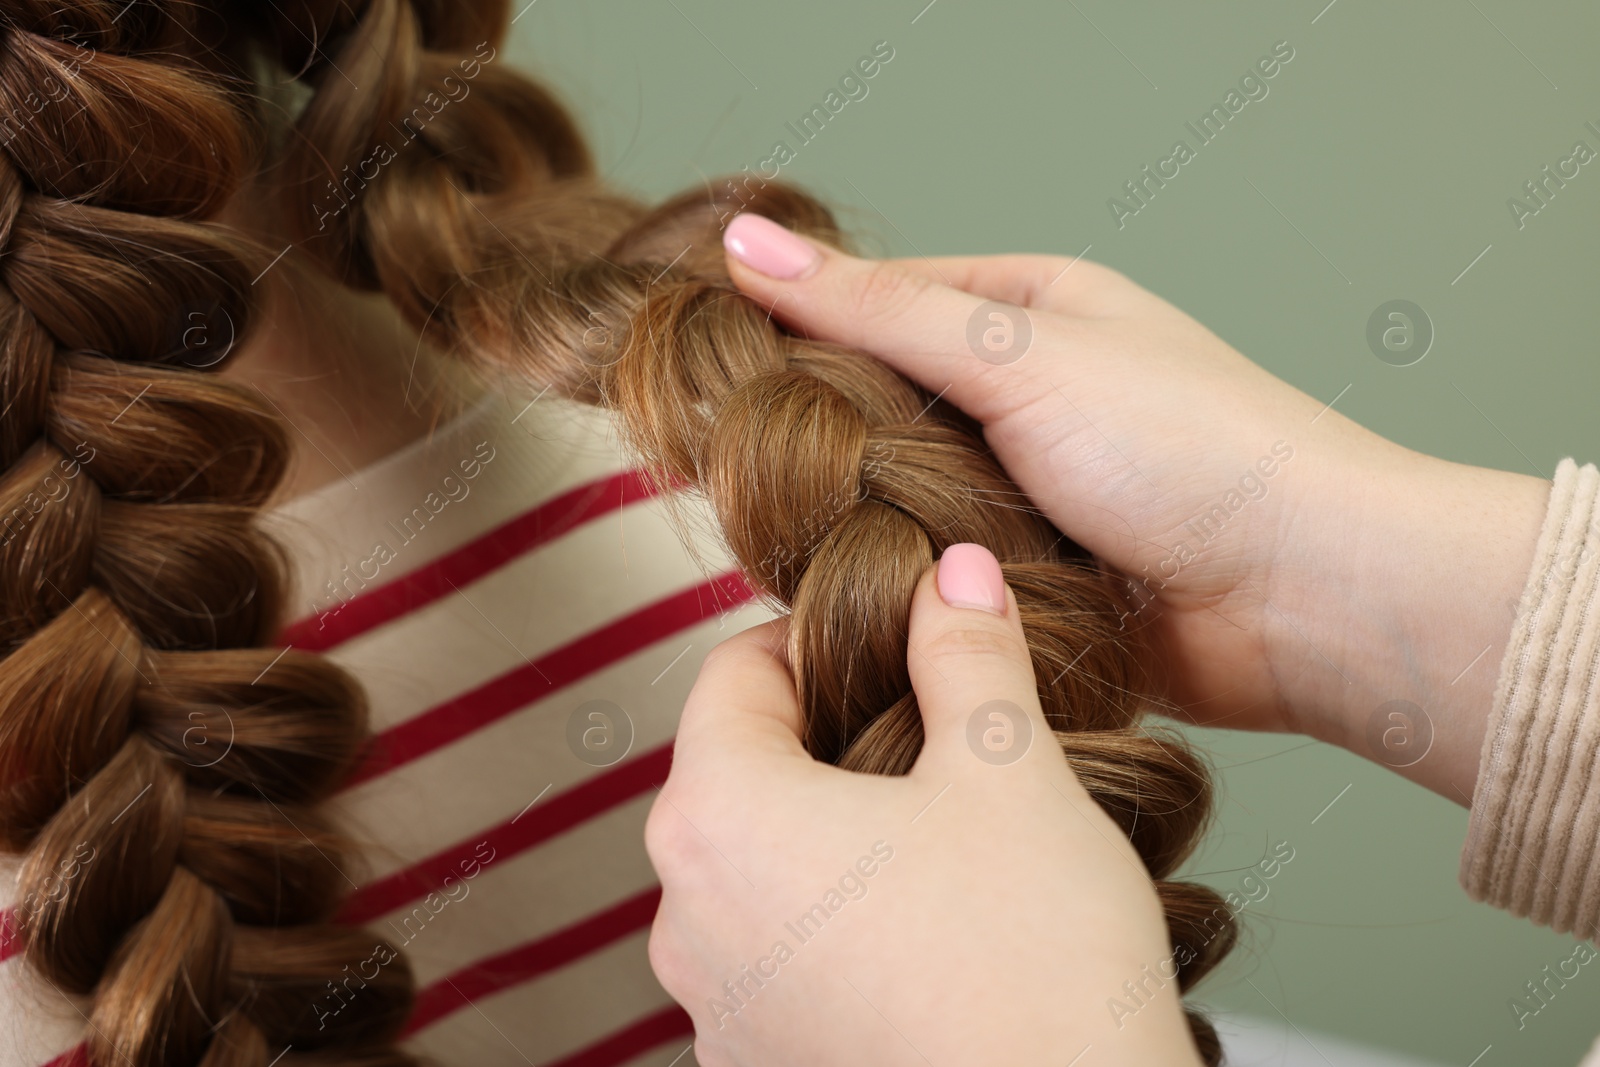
(764, 246)
(969, 577)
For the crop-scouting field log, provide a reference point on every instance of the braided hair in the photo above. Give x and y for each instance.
(190, 897)
(139, 603)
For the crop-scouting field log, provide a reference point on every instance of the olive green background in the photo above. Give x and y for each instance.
(1378, 167)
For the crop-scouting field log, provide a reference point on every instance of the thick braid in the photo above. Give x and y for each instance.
(161, 767)
(835, 482)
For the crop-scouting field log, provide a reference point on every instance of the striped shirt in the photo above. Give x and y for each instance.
(527, 623)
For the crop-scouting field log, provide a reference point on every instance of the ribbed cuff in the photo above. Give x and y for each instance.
(1533, 837)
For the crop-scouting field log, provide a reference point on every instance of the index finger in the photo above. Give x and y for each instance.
(743, 706)
(1070, 285)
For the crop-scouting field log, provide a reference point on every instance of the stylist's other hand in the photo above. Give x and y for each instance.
(968, 912)
(1295, 570)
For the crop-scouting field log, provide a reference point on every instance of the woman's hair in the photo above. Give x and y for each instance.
(190, 897)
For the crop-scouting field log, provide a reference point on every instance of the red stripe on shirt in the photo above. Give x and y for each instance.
(11, 940)
(373, 607)
(531, 959)
(446, 723)
(392, 600)
(631, 1040)
(518, 834)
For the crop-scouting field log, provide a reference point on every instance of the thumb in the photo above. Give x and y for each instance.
(971, 670)
(938, 336)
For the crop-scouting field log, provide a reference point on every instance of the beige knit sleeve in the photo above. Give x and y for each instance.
(1533, 836)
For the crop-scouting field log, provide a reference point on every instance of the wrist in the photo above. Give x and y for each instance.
(1403, 596)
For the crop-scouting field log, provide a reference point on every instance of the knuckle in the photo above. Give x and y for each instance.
(733, 656)
(709, 1054)
(1106, 276)
(1092, 282)
(886, 290)
(665, 842)
(1047, 265)
(975, 644)
(723, 656)
(725, 660)
(665, 959)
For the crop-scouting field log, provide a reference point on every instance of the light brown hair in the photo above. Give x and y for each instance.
(140, 603)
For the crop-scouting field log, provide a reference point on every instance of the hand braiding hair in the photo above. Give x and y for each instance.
(834, 481)
(466, 194)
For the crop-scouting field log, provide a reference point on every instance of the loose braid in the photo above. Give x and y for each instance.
(835, 482)
(188, 885)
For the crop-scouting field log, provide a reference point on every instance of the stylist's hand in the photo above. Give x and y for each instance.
(965, 913)
(1295, 570)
